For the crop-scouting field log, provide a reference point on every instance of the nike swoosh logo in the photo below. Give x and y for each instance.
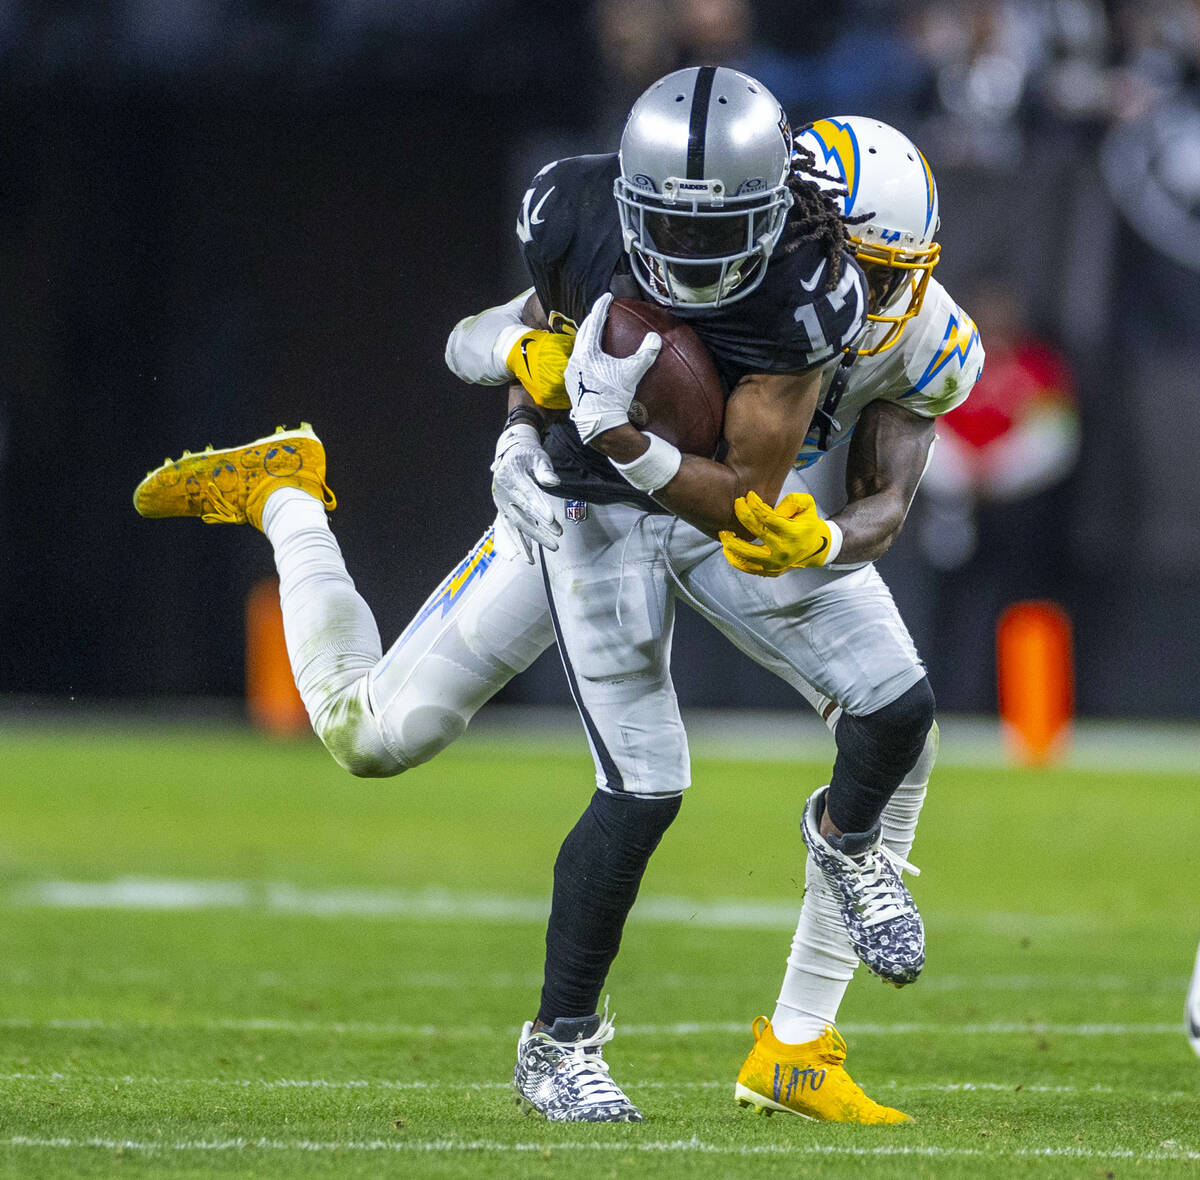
(811, 284)
(534, 218)
(525, 356)
(528, 220)
(818, 550)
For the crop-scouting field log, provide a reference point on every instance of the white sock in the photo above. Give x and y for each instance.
(332, 637)
(822, 961)
(819, 967)
(899, 819)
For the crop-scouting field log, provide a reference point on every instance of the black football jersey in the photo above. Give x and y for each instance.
(570, 236)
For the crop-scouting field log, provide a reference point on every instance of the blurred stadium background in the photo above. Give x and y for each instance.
(218, 218)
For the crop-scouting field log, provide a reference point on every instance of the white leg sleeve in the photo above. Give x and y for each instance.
(822, 962)
(332, 638)
(899, 817)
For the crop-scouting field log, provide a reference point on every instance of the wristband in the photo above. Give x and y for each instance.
(655, 467)
(529, 416)
(836, 538)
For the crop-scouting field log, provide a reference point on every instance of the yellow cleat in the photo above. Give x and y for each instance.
(809, 1080)
(231, 486)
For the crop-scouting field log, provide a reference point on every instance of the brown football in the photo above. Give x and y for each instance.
(681, 398)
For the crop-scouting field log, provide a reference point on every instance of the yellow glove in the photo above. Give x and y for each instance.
(793, 534)
(537, 360)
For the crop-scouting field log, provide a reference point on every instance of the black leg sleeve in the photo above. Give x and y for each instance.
(875, 752)
(596, 879)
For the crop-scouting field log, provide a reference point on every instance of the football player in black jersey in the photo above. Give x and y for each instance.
(708, 220)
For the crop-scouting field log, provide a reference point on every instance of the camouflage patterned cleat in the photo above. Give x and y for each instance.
(561, 1074)
(879, 914)
(808, 1080)
(232, 485)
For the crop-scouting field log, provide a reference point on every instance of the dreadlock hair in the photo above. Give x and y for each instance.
(814, 215)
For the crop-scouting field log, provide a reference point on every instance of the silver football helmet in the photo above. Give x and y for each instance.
(873, 170)
(703, 195)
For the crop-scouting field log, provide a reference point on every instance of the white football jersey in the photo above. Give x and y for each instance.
(929, 371)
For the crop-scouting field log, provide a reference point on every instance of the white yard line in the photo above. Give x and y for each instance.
(26, 976)
(167, 894)
(679, 1146)
(367, 1028)
(390, 1084)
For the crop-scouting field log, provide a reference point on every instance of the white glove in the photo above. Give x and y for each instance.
(477, 350)
(602, 386)
(520, 469)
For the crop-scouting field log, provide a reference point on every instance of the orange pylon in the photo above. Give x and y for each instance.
(1035, 680)
(272, 701)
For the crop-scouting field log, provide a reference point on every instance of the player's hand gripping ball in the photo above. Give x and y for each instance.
(601, 386)
(681, 398)
(792, 534)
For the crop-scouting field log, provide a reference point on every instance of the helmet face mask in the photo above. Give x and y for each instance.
(878, 175)
(702, 194)
(698, 256)
(883, 282)
(891, 274)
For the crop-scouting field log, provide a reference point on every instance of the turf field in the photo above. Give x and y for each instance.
(224, 956)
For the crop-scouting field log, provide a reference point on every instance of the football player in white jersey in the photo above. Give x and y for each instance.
(381, 714)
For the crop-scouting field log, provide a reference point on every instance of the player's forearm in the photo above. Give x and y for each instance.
(533, 315)
(887, 458)
(518, 395)
(701, 491)
(869, 526)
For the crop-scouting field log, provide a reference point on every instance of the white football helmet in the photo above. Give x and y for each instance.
(705, 158)
(875, 172)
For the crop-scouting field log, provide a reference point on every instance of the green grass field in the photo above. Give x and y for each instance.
(224, 956)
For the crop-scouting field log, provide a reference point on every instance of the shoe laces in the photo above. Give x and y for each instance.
(583, 1063)
(838, 1053)
(222, 511)
(879, 886)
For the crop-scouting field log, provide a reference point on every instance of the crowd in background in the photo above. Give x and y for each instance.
(977, 67)
(1065, 135)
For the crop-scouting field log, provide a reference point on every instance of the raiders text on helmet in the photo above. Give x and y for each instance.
(703, 194)
(885, 177)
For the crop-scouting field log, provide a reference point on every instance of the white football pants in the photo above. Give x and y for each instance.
(834, 635)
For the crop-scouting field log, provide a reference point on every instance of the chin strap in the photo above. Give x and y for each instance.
(823, 416)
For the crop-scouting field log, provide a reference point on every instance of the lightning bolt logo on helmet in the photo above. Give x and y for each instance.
(839, 150)
(885, 188)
